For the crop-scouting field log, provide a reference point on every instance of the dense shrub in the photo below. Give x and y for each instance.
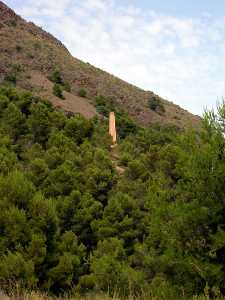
(56, 77)
(156, 104)
(68, 220)
(11, 78)
(57, 91)
(67, 87)
(82, 93)
(18, 48)
(103, 105)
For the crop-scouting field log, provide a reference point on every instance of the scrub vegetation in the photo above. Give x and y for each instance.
(69, 223)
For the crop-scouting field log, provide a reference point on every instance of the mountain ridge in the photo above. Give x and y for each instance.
(35, 50)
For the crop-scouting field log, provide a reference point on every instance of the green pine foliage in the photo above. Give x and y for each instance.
(69, 221)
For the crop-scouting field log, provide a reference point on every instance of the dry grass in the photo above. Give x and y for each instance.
(38, 296)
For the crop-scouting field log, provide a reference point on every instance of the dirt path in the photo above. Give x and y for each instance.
(116, 159)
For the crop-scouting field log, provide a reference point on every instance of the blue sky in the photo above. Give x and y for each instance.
(172, 47)
(184, 8)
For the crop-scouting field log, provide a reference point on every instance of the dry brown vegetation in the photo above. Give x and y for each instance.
(39, 296)
(26, 48)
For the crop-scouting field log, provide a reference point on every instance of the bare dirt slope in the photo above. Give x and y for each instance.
(71, 103)
(26, 49)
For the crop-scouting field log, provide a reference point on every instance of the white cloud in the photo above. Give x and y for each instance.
(181, 59)
(42, 8)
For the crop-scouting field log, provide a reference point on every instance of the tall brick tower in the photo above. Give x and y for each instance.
(112, 127)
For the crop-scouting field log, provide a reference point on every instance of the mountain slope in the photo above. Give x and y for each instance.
(28, 52)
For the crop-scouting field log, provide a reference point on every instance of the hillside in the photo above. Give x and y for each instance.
(80, 219)
(30, 55)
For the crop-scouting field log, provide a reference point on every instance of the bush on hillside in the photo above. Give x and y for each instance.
(57, 91)
(156, 104)
(11, 23)
(11, 78)
(18, 48)
(56, 77)
(82, 93)
(67, 87)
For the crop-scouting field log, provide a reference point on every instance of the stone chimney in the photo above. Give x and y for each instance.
(112, 127)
